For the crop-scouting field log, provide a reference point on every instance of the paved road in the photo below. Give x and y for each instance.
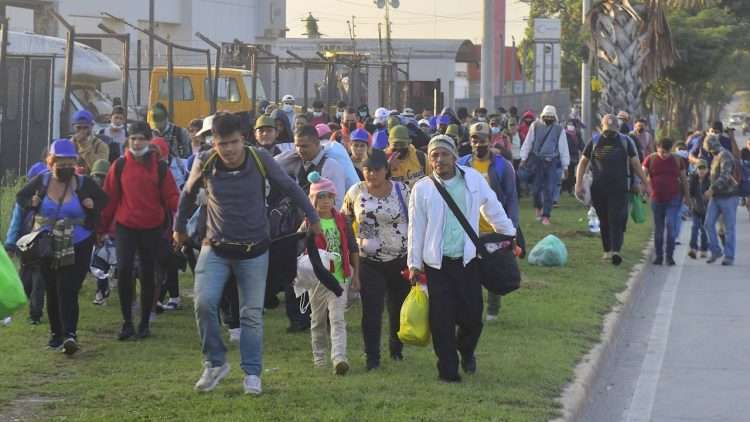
(683, 353)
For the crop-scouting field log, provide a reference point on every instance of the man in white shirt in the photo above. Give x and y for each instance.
(440, 248)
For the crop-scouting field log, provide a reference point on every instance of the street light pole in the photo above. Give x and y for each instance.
(487, 97)
(586, 83)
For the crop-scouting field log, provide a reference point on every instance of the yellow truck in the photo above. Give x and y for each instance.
(191, 91)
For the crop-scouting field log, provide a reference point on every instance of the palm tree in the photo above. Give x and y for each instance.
(634, 46)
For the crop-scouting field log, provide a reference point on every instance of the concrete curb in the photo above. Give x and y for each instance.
(576, 393)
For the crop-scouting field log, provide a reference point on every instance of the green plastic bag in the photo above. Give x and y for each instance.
(549, 252)
(637, 209)
(12, 296)
(414, 327)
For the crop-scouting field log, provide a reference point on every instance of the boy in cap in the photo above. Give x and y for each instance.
(407, 163)
(90, 148)
(177, 138)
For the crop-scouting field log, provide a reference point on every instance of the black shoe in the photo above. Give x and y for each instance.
(35, 321)
(692, 254)
(714, 258)
(616, 259)
(670, 261)
(658, 260)
(469, 365)
(55, 343)
(397, 356)
(454, 378)
(70, 346)
(297, 328)
(143, 331)
(372, 364)
(127, 331)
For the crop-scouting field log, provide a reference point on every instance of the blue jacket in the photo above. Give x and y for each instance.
(15, 227)
(502, 181)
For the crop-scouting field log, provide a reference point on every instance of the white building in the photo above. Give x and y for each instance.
(252, 21)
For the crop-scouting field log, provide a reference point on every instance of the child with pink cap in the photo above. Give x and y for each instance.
(338, 240)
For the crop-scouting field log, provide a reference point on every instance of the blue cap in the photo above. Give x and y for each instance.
(444, 119)
(63, 148)
(37, 168)
(360, 135)
(83, 117)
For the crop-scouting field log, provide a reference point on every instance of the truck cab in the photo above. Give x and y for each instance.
(191, 91)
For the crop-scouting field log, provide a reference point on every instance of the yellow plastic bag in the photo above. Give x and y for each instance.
(415, 318)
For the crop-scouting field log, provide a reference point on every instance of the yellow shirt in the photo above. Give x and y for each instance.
(483, 167)
(409, 171)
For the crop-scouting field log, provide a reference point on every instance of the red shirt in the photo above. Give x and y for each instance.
(664, 174)
(137, 201)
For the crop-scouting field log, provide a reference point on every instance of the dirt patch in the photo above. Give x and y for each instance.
(28, 408)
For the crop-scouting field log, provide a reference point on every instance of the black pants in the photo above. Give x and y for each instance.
(378, 280)
(33, 285)
(63, 285)
(455, 297)
(612, 210)
(168, 278)
(230, 304)
(145, 242)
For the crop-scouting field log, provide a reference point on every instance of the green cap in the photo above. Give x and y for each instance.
(265, 121)
(398, 136)
(393, 121)
(452, 130)
(100, 168)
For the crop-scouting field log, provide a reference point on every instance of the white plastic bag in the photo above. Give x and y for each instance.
(306, 278)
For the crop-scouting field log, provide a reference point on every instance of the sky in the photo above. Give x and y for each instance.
(413, 19)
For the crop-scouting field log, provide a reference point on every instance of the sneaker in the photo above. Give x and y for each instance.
(127, 331)
(211, 377)
(670, 261)
(143, 331)
(98, 298)
(372, 364)
(7, 321)
(538, 214)
(234, 335)
(714, 258)
(35, 321)
(397, 356)
(692, 254)
(55, 343)
(490, 317)
(545, 221)
(607, 256)
(727, 262)
(469, 365)
(172, 304)
(341, 368)
(616, 259)
(252, 385)
(70, 346)
(297, 328)
(159, 308)
(704, 254)
(658, 260)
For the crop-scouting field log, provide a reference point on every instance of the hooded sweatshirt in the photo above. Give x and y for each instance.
(523, 126)
(285, 141)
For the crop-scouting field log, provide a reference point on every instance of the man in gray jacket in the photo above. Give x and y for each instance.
(236, 241)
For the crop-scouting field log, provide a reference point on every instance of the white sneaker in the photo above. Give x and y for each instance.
(173, 304)
(7, 321)
(607, 256)
(252, 385)
(211, 377)
(491, 317)
(234, 335)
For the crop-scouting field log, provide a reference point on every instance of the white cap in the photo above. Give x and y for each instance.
(288, 97)
(381, 115)
(549, 111)
(424, 122)
(208, 123)
(408, 112)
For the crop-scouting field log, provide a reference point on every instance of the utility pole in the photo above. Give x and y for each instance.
(151, 28)
(487, 96)
(586, 83)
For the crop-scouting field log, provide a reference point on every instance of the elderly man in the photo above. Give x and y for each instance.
(545, 152)
(439, 247)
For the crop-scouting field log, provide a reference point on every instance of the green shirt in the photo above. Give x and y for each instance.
(333, 245)
(453, 233)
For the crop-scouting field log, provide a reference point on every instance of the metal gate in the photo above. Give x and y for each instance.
(26, 125)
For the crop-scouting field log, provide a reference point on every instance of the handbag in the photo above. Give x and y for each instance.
(37, 245)
(498, 267)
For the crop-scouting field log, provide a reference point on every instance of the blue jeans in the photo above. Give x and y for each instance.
(666, 215)
(698, 221)
(728, 208)
(546, 178)
(211, 274)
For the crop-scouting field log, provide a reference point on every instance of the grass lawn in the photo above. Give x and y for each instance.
(524, 359)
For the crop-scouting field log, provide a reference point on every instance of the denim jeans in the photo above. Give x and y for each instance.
(546, 179)
(211, 274)
(666, 215)
(726, 207)
(698, 222)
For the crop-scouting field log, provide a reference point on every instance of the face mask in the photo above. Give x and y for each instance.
(317, 113)
(116, 127)
(495, 130)
(482, 151)
(339, 114)
(481, 119)
(571, 128)
(138, 152)
(287, 108)
(363, 114)
(620, 122)
(64, 174)
(209, 139)
(401, 152)
(548, 122)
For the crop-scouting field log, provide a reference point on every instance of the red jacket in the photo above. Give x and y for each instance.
(136, 201)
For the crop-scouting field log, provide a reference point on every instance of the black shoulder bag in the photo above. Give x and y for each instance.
(36, 246)
(498, 267)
